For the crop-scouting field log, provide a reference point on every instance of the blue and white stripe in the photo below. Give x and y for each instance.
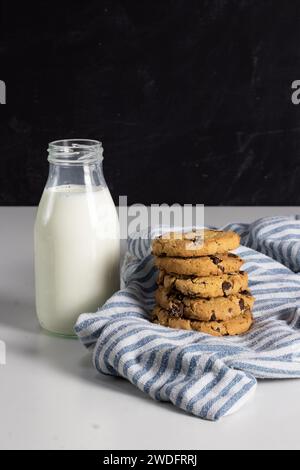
(203, 375)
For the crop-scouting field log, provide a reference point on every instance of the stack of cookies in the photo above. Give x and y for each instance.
(200, 284)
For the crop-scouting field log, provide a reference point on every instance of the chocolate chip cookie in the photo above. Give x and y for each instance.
(211, 265)
(235, 326)
(206, 286)
(215, 309)
(195, 243)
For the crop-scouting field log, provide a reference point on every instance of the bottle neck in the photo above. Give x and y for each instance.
(89, 176)
(76, 162)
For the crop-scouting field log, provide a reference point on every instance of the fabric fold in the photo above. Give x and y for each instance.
(207, 376)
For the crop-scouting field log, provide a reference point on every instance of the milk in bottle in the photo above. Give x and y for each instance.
(77, 245)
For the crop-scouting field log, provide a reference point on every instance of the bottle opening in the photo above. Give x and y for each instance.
(75, 151)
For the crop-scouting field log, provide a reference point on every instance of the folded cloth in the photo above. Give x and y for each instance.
(207, 376)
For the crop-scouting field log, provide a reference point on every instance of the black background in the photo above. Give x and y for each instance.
(191, 98)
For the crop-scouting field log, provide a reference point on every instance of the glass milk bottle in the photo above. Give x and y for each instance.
(77, 241)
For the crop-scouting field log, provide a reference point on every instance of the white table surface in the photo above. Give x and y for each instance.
(52, 398)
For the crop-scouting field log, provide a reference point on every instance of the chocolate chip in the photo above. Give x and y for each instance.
(218, 330)
(226, 286)
(198, 241)
(242, 304)
(180, 297)
(175, 293)
(246, 292)
(213, 317)
(176, 310)
(232, 255)
(215, 259)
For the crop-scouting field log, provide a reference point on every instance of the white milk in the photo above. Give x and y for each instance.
(77, 254)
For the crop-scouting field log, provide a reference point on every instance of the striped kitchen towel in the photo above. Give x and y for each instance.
(207, 376)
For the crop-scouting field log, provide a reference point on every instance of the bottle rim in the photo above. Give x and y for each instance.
(75, 151)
